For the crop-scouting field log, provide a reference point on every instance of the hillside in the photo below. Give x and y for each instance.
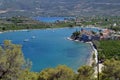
(59, 7)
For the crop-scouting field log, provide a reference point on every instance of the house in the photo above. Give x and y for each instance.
(87, 36)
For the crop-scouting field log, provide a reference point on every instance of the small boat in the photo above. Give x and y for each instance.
(26, 40)
(33, 37)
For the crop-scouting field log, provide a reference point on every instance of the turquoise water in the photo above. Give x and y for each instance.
(50, 48)
(51, 19)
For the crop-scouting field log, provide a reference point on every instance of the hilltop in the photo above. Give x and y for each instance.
(59, 7)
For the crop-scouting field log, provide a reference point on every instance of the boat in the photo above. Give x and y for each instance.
(26, 40)
(33, 37)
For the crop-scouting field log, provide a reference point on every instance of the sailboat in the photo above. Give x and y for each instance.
(26, 40)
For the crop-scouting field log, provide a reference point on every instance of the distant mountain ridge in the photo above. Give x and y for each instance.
(59, 7)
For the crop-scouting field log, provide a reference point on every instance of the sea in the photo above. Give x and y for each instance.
(52, 19)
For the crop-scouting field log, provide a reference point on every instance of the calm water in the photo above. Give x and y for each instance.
(51, 19)
(50, 48)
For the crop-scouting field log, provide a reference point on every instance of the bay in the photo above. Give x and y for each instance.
(50, 47)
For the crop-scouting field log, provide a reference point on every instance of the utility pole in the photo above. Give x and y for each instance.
(98, 67)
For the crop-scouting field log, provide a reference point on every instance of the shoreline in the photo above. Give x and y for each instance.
(48, 28)
(96, 61)
(94, 51)
(90, 58)
(33, 29)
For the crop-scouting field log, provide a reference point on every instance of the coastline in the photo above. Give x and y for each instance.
(34, 29)
(13, 30)
(93, 52)
(47, 29)
(90, 58)
(96, 61)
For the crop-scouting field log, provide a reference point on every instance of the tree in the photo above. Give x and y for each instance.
(28, 75)
(11, 61)
(59, 73)
(85, 73)
(64, 73)
(75, 35)
(111, 70)
(3, 28)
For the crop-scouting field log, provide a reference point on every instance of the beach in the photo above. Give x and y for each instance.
(91, 60)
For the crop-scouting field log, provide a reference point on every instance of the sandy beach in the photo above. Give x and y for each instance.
(96, 60)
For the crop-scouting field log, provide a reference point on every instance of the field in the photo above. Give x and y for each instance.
(109, 49)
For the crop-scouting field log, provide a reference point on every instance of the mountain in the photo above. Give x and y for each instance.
(59, 7)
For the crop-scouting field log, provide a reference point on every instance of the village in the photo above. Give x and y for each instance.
(102, 34)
